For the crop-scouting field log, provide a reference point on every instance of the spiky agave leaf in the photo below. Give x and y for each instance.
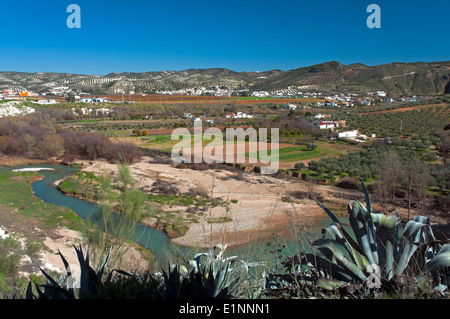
(366, 196)
(387, 228)
(321, 267)
(415, 234)
(364, 230)
(335, 232)
(330, 249)
(172, 281)
(68, 274)
(88, 277)
(103, 265)
(440, 261)
(347, 236)
(29, 292)
(52, 289)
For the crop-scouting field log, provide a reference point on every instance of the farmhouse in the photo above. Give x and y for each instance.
(238, 115)
(99, 100)
(348, 134)
(241, 115)
(260, 94)
(322, 116)
(326, 125)
(44, 102)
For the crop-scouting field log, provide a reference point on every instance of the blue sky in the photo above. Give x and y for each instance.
(148, 35)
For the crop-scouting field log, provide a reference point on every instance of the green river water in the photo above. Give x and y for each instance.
(146, 236)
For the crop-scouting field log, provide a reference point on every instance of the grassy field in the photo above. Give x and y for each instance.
(289, 154)
(299, 153)
(21, 211)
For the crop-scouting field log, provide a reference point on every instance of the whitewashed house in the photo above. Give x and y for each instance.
(348, 134)
(323, 125)
(322, 116)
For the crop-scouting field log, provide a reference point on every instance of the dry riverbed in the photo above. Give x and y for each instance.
(252, 205)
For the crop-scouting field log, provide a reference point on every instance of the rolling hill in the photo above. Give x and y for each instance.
(330, 77)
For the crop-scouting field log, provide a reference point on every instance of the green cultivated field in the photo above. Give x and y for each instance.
(301, 153)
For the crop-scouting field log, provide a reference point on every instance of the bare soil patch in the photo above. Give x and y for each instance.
(255, 208)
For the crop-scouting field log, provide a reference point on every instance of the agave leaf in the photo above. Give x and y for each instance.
(103, 265)
(330, 250)
(329, 212)
(429, 236)
(172, 281)
(88, 277)
(40, 293)
(221, 280)
(212, 283)
(84, 276)
(57, 292)
(69, 274)
(371, 231)
(324, 265)
(381, 220)
(441, 260)
(367, 197)
(344, 232)
(388, 260)
(335, 232)
(330, 284)
(413, 236)
(29, 293)
(386, 232)
(49, 278)
(362, 226)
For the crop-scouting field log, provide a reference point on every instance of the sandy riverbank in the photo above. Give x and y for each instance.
(256, 205)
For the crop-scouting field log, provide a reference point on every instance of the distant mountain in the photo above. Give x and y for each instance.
(415, 78)
(332, 77)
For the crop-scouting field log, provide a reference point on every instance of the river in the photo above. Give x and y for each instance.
(146, 236)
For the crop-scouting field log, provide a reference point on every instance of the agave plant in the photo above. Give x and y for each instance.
(375, 251)
(221, 275)
(211, 275)
(63, 288)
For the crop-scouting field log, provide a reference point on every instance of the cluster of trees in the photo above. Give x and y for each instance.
(36, 136)
(419, 127)
(362, 163)
(397, 171)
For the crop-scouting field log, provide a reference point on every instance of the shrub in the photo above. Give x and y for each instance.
(164, 187)
(348, 183)
(311, 146)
